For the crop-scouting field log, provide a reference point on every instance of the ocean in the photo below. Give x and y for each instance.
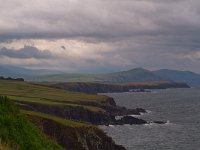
(179, 107)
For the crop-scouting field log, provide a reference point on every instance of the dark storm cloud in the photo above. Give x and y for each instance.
(100, 19)
(26, 52)
(104, 20)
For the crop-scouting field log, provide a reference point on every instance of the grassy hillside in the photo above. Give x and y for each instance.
(27, 92)
(65, 122)
(24, 89)
(19, 133)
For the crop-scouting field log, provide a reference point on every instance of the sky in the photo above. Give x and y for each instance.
(100, 35)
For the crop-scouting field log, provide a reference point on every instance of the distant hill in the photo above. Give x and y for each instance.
(13, 71)
(133, 75)
(191, 78)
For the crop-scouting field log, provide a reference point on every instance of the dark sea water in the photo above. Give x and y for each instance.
(180, 107)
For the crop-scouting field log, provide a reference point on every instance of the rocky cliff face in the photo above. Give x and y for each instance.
(70, 112)
(80, 113)
(76, 138)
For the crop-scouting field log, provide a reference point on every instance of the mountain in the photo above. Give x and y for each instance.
(191, 78)
(133, 75)
(13, 71)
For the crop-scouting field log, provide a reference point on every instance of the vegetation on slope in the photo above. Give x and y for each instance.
(18, 132)
(25, 89)
(65, 122)
(52, 103)
(27, 92)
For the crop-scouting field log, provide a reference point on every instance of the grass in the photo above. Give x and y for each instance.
(25, 89)
(27, 92)
(18, 132)
(52, 103)
(65, 122)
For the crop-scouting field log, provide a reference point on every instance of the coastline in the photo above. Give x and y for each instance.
(94, 88)
(87, 110)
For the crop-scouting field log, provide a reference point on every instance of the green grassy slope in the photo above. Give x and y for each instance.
(65, 122)
(18, 132)
(27, 92)
(17, 88)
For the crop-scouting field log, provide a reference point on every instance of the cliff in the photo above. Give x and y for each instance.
(84, 137)
(104, 117)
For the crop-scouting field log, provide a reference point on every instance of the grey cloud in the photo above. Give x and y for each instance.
(97, 18)
(26, 52)
(149, 33)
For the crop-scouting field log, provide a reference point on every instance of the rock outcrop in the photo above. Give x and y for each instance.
(130, 120)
